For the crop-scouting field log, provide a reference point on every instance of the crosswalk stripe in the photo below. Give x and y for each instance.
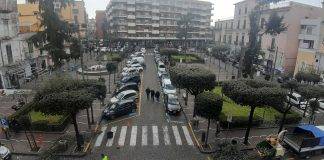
(100, 137)
(111, 141)
(144, 135)
(133, 136)
(166, 135)
(187, 135)
(155, 135)
(176, 135)
(122, 137)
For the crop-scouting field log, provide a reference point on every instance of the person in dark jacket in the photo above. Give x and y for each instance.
(152, 95)
(148, 91)
(157, 96)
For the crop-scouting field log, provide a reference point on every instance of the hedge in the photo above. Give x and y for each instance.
(291, 118)
(43, 125)
(239, 121)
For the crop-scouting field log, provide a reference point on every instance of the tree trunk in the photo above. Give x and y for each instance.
(109, 83)
(283, 121)
(194, 111)
(92, 118)
(219, 65)
(31, 147)
(206, 140)
(77, 134)
(114, 77)
(88, 118)
(247, 133)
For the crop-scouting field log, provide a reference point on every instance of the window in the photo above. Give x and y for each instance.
(75, 11)
(231, 25)
(245, 10)
(225, 25)
(30, 47)
(262, 23)
(236, 39)
(224, 39)
(238, 24)
(240, 11)
(243, 39)
(244, 24)
(76, 20)
(9, 54)
(273, 43)
(309, 30)
(230, 39)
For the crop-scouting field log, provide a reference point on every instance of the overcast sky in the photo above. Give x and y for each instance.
(222, 8)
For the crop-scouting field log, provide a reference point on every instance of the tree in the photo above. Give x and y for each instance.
(193, 80)
(55, 32)
(309, 92)
(254, 93)
(274, 27)
(111, 67)
(252, 52)
(66, 102)
(208, 105)
(309, 77)
(184, 27)
(75, 49)
(220, 53)
(314, 105)
(291, 85)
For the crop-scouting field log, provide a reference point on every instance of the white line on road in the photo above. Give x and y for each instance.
(122, 137)
(166, 135)
(144, 135)
(111, 140)
(187, 135)
(100, 137)
(176, 135)
(155, 135)
(133, 136)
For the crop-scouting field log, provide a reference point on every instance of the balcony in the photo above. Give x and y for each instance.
(121, 15)
(143, 16)
(131, 31)
(156, 11)
(131, 24)
(131, 17)
(155, 32)
(156, 18)
(155, 25)
(131, 9)
(131, 2)
(122, 31)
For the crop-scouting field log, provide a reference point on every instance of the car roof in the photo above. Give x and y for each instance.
(128, 84)
(125, 101)
(128, 91)
(296, 94)
(172, 96)
(168, 81)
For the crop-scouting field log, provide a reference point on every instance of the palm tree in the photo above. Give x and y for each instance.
(208, 105)
(184, 27)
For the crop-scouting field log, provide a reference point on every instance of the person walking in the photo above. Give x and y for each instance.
(157, 96)
(148, 91)
(152, 94)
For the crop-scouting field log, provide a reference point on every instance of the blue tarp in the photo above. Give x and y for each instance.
(317, 132)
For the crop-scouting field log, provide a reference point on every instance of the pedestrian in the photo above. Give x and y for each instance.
(148, 91)
(157, 96)
(104, 157)
(152, 94)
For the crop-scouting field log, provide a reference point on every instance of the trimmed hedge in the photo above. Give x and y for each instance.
(196, 60)
(239, 121)
(291, 118)
(45, 126)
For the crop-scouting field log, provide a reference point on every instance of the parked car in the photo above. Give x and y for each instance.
(143, 50)
(5, 153)
(167, 87)
(172, 105)
(137, 66)
(127, 86)
(131, 78)
(295, 99)
(164, 76)
(162, 72)
(161, 66)
(118, 109)
(321, 102)
(124, 95)
(130, 71)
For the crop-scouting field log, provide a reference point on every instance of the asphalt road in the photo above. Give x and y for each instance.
(148, 134)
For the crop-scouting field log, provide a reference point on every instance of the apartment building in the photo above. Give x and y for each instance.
(74, 13)
(311, 46)
(282, 48)
(100, 19)
(224, 31)
(155, 20)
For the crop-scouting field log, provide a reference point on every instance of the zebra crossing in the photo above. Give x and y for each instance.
(144, 136)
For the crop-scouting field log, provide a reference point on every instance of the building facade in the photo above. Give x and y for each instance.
(280, 50)
(100, 20)
(154, 20)
(311, 46)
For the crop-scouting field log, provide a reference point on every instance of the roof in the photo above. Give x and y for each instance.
(317, 131)
(128, 91)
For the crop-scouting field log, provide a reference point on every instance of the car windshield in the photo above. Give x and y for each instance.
(119, 96)
(173, 101)
(169, 87)
(113, 106)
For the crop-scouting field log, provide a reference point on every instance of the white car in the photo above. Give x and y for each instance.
(4, 153)
(295, 99)
(143, 50)
(321, 102)
(103, 49)
(125, 95)
(129, 71)
(137, 66)
(161, 72)
(167, 87)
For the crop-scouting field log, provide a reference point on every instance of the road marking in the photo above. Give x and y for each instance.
(155, 135)
(111, 140)
(144, 136)
(176, 135)
(122, 137)
(133, 136)
(100, 137)
(166, 135)
(187, 135)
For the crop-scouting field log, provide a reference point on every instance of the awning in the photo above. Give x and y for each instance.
(317, 131)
